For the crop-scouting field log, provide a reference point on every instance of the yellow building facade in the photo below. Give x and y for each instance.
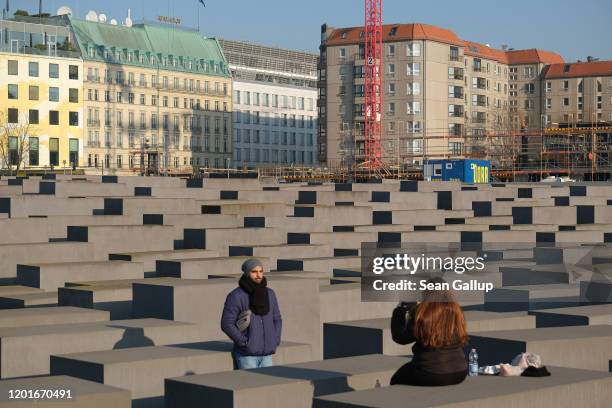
(44, 95)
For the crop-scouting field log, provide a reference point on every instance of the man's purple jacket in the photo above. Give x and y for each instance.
(264, 333)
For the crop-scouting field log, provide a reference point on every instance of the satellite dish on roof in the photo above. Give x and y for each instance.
(91, 16)
(128, 19)
(102, 18)
(113, 22)
(64, 11)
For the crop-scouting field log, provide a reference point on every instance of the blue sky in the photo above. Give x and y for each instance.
(574, 29)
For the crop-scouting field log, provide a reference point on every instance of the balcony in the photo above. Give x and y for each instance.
(93, 78)
(456, 114)
(479, 120)
(93, 123)
(93, 143)
(454, 57)
(456, 95)
(477, 68)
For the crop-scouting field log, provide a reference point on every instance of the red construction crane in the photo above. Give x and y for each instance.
(373, 84)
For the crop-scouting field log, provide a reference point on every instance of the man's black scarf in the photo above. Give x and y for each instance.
(258, 295)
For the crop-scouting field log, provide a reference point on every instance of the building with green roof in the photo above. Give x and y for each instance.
(157, 98)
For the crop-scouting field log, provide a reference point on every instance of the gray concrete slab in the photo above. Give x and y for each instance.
(531, 297)
(37, 299)
(42, 252)
(50, 276)
(84, 394)
(202, 268)
(49, 316)
(142, 370)
(148, 258)
(574, 316)
(565, 387)
(275, 386)
(586, 347)
(373, 336)
(25, 350)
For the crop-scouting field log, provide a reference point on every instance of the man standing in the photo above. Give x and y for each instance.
(252, 319)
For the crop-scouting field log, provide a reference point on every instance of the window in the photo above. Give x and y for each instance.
(454, 53)
(599, 100)
(73, 72)
(54, 152)
(13, 91)
(73, 95)
(342, 52)
(54, 117)
(413, 68)
(13, 67)
(73, 118)
(33, 117)
(33, 69)
(391, 107)
(13, 115)
(33, 93)
(529, 104)
(391, 69)
(391, 50)
(548, 103)
(33, 151)
(53, 71)
(565, 85)
(413, 88)
(455, 148)
(580, 102)
(413, 108)
(455, 92)
(530, 88)
(414, 50)
(361, 89)
(566, 101)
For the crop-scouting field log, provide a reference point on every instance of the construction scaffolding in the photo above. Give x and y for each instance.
(578, 152)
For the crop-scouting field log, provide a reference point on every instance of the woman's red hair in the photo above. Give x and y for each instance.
(439, 320)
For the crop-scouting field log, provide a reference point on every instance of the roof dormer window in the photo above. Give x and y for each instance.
(344, 34)
(393, 31)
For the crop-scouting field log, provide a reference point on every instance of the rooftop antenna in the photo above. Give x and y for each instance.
(128, 19)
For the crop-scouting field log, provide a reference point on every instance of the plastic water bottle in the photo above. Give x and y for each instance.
(473, 363)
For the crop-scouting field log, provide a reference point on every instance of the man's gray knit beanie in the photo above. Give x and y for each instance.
(250, 264)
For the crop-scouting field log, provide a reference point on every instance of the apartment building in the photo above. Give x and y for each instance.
(578, 93)
(41, 81)
(438, 90)
(275, 115)
(155, 97)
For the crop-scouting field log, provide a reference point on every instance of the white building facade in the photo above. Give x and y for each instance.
(274, 105)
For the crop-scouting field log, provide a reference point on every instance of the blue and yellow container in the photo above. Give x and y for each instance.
(465, 170)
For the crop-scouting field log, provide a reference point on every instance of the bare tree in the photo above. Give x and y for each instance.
(14, 144)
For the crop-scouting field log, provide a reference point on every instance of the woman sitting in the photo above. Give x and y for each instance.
(437, 327)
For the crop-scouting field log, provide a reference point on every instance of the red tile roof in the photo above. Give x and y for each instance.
(482, 51)
(418, 31)
(532, 56)
(579, 69)
(415, 31)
